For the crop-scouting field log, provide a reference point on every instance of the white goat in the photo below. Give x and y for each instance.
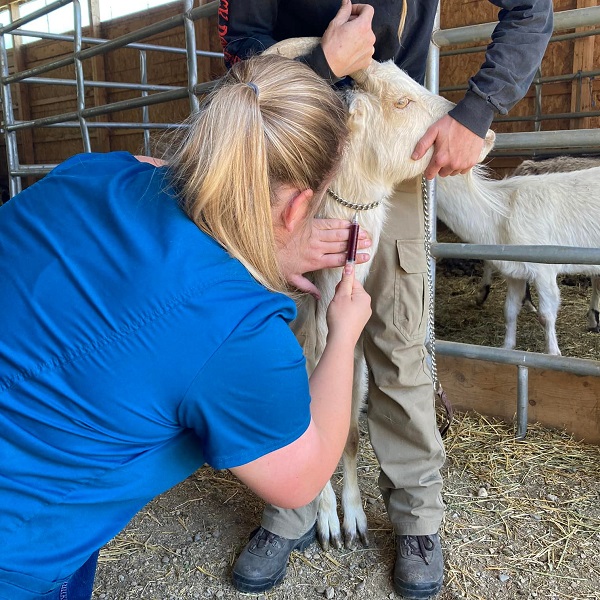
(559, 164)
(549, 209)
(388, 113)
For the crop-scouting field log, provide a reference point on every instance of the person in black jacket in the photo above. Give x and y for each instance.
(401, 412)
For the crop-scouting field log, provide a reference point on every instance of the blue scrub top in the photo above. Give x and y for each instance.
(133, 349)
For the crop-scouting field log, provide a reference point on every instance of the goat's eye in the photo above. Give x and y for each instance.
(402, 102)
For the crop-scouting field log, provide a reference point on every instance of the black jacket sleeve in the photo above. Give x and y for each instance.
(247, 28)
(511, 60)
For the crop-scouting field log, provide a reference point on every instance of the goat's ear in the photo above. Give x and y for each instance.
(357, 110)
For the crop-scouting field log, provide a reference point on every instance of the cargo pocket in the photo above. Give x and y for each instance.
(410, 289)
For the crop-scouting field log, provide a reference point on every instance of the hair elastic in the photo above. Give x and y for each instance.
(253, 87)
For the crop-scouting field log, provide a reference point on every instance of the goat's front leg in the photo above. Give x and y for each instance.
(515, 291)
(355, 520)
(328, 523)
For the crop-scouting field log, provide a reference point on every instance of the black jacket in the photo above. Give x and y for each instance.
(519, 41)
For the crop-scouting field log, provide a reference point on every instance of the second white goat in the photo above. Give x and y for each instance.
(548, 209)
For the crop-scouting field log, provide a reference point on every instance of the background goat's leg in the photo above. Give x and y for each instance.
(549, 301)
(515, 290)
(594, 312)
(486, 283)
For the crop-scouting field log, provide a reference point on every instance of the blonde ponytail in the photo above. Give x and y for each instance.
(270, 121)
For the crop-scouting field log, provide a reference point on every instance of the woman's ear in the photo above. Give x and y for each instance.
(296, 209)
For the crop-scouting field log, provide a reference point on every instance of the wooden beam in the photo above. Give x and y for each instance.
(557, 400)
(583, 60)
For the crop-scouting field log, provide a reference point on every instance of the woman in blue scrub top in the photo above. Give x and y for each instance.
(144, 330)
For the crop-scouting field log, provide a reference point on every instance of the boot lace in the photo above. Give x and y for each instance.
(265, 538)
(417, 545)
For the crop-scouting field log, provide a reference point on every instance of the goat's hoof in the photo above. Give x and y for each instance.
(329, 540)
(353, 539)
(594, 329)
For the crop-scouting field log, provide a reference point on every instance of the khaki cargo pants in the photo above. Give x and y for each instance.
(401, 413)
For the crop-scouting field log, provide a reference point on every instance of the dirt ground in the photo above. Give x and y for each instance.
(522, 518)
(522, 521)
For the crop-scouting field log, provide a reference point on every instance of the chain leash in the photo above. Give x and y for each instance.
(437, 387)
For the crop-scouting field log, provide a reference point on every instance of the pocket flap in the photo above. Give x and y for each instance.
(411, 254)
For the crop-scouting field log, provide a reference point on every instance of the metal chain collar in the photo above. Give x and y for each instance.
(352, 205)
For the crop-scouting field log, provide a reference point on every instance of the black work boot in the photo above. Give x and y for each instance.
(263, 562)
(419, 568)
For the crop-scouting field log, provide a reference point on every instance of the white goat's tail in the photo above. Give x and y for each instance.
(487, 190)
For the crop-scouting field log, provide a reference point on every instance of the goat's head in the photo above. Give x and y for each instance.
(388, 114)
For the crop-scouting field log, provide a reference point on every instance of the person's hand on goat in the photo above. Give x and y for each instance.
(455, 148)
(326, 248)
(348, 42)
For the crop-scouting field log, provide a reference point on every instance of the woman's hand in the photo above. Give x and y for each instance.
(326, 248)
(349, 310)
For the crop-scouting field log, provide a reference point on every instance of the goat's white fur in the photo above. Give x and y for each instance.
(388, 114)
(548, 209)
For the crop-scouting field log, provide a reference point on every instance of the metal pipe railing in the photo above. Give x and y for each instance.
(80, 116)
(41, 12)
(142, 87)
(566, 19)
(145, 109)
(8, 117)
(548, 139)
(577, 366)
(557, 255)
(192, 63)
(554, 38)
(64, 37)
(79, 77)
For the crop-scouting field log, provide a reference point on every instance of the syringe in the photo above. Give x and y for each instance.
(353, 239)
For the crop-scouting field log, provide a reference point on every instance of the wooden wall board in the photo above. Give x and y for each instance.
(556, 400)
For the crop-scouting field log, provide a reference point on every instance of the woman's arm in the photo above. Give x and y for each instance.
(293, 475)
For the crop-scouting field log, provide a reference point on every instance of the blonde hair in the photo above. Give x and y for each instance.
(270, 120)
